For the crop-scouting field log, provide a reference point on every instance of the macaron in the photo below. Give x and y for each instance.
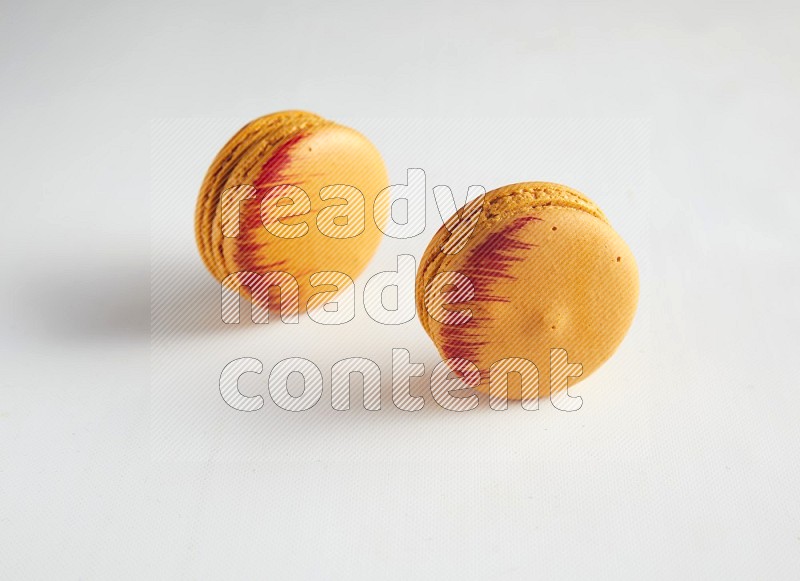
(292, 193)
(542, 269)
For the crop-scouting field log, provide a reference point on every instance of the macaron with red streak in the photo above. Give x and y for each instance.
(542, 269)
(292, 193)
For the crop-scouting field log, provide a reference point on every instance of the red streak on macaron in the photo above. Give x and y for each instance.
(249, 252)
(487, 263)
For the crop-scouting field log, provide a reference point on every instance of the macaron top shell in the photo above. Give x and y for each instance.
(547, 270)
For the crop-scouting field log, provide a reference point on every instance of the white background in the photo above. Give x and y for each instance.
(683, 461)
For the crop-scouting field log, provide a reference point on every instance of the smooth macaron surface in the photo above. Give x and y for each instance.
(546, 271)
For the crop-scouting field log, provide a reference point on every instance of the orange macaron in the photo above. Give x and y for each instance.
(292, 193)
(542, 270)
